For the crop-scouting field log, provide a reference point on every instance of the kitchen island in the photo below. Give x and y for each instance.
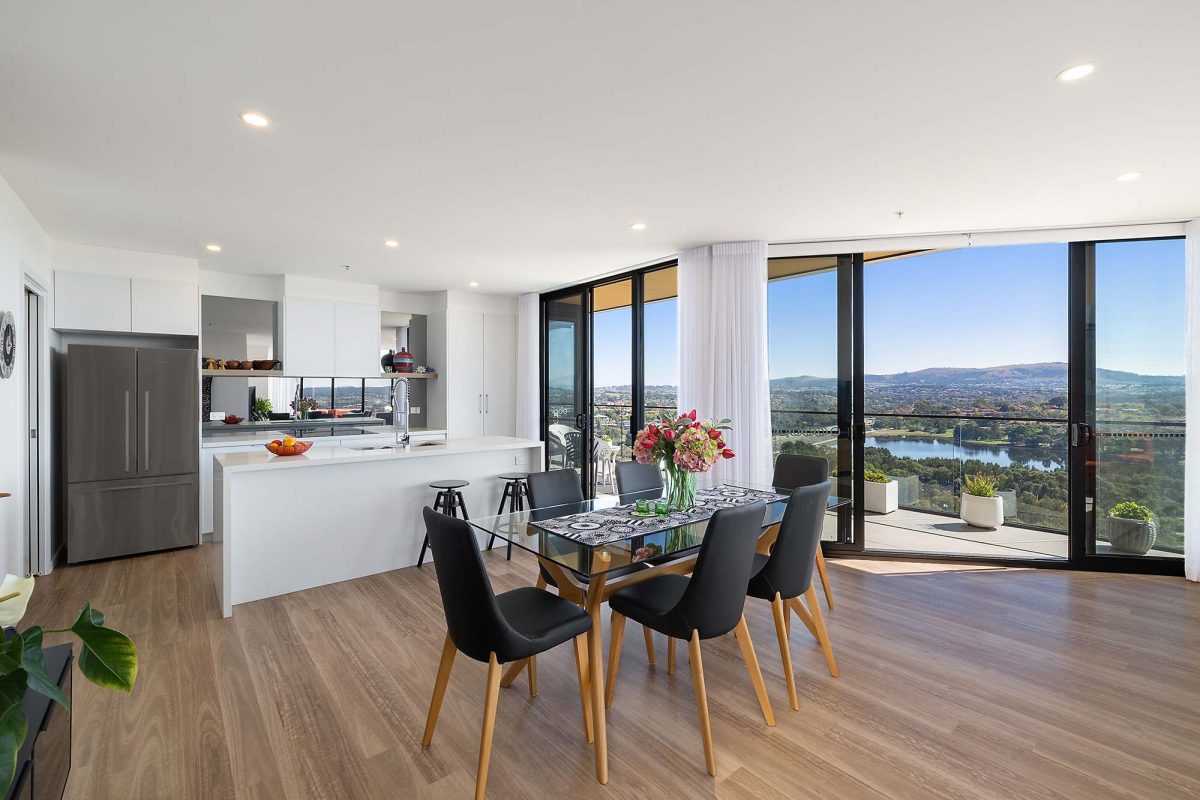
(286, 523)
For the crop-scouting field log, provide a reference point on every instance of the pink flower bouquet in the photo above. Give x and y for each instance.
(682, 447)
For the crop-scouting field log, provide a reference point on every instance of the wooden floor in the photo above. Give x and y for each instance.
(976, 684)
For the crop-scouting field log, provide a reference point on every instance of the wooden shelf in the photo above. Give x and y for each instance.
(278, 373)
(242, 373)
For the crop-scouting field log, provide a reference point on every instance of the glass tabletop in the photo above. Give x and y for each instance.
(635, 551)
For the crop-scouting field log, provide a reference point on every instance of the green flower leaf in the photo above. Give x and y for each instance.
(108, 658)
(13, 727)
(10, 655)
(34, 662)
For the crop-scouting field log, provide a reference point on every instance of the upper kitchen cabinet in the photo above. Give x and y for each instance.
(85, 301)
(171, 307)
(356, 342)
(333, 338)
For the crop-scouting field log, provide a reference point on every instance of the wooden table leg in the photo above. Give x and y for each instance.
(596, 673)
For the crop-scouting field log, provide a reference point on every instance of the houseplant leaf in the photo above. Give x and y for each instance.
(108, 658)
(34, 663)
(13, 724)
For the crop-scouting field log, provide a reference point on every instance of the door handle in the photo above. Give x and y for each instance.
(127, 430)
(143, 486)
(487, 404)
(146, 438)
(1081, 434)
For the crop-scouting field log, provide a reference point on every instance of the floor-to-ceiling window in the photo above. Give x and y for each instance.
(611, 362)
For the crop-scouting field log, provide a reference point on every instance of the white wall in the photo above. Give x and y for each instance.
(24, 249)
(75, 257)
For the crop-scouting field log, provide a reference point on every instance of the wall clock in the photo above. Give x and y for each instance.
(8, 344)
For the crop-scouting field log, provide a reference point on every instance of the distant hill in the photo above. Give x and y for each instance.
(1053, 373)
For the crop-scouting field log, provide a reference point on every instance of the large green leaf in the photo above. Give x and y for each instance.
(10, 655)
(34, 663)
(13, 727)
(13, 724)
(108, 658)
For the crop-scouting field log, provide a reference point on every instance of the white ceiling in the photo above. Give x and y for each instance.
(513, 143)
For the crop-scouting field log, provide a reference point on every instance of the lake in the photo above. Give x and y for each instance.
(1004, 456)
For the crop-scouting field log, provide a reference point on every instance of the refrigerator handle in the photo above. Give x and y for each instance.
(146, 438)
(127, 430)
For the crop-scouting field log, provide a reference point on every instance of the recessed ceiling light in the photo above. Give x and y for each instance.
(255, 119)
(473, 284)
(213, 248)
(638, 226)
(390, 243)
(1076, 72)
(1129, 176)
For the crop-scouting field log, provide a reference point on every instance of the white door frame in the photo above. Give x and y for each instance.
(39, 558)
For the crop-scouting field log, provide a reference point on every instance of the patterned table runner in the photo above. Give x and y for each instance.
(594, 528)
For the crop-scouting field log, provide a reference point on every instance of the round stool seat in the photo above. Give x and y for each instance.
(449, 484)
(513, 476)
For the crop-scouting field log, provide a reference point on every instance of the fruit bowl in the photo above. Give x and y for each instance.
(281, 447)
(233, 419)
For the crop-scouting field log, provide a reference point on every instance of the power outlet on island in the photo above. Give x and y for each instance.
(520, 461)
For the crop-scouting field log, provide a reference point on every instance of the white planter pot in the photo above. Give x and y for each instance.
(881, 498)
(982, 512)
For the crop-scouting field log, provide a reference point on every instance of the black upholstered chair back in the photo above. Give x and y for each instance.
(638, 481)
(716, 594)
(554, 488)
(473, 618)
(789, 570)
(793, 470)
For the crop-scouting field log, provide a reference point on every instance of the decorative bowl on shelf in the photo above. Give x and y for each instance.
(233, 419)
(266, 364)
(288, 447)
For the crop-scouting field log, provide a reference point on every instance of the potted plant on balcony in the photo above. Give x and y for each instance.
(1130, 528)
(980, 506)
(881, 494)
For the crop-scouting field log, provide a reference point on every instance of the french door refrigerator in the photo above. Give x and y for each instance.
(132, 417)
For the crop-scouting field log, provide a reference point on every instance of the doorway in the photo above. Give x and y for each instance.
(38, 558)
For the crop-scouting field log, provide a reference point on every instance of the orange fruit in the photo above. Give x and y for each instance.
(289, 441)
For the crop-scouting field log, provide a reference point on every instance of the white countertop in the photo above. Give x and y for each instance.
(235, 438)
(325, 456)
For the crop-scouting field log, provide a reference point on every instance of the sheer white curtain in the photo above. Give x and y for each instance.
(528, 366)
(723, 351)
(1191, 477)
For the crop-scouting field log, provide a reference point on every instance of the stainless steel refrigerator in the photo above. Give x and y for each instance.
(132, 430)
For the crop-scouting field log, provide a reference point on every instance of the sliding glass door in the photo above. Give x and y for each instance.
(1128, 435)
(566, 380)
(611, 364)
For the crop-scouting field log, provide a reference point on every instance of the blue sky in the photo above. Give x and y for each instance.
(987, 306)
(974, 307)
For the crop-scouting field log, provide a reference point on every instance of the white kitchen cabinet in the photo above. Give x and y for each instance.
(480, 374)
(499, 375)
(84, 301)
(308, 337)
(329, 338)
(356, 343)
(463, 373)
(169, 307)
(206, 479)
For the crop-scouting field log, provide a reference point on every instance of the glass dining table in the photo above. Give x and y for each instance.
(590, 549)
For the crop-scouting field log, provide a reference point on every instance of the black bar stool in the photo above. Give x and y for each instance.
(515, 492)
(449, 501)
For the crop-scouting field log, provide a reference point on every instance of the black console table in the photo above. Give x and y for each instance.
(44, 760)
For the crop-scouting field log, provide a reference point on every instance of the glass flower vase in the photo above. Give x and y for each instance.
(681, 487)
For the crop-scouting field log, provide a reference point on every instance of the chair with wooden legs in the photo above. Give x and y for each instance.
(792, 471)
(706, 605)
(494, 628)
(786, 575)
(637, 482)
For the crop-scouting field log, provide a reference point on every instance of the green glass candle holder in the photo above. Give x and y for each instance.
(661, 508)
(642, 506)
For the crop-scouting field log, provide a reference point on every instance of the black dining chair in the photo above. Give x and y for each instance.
(792, 471)
(786, 575)
(638, 481)
(706, 605)
(513, 626)
(557, 487)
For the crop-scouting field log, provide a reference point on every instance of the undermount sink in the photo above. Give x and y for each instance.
(396, 446)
